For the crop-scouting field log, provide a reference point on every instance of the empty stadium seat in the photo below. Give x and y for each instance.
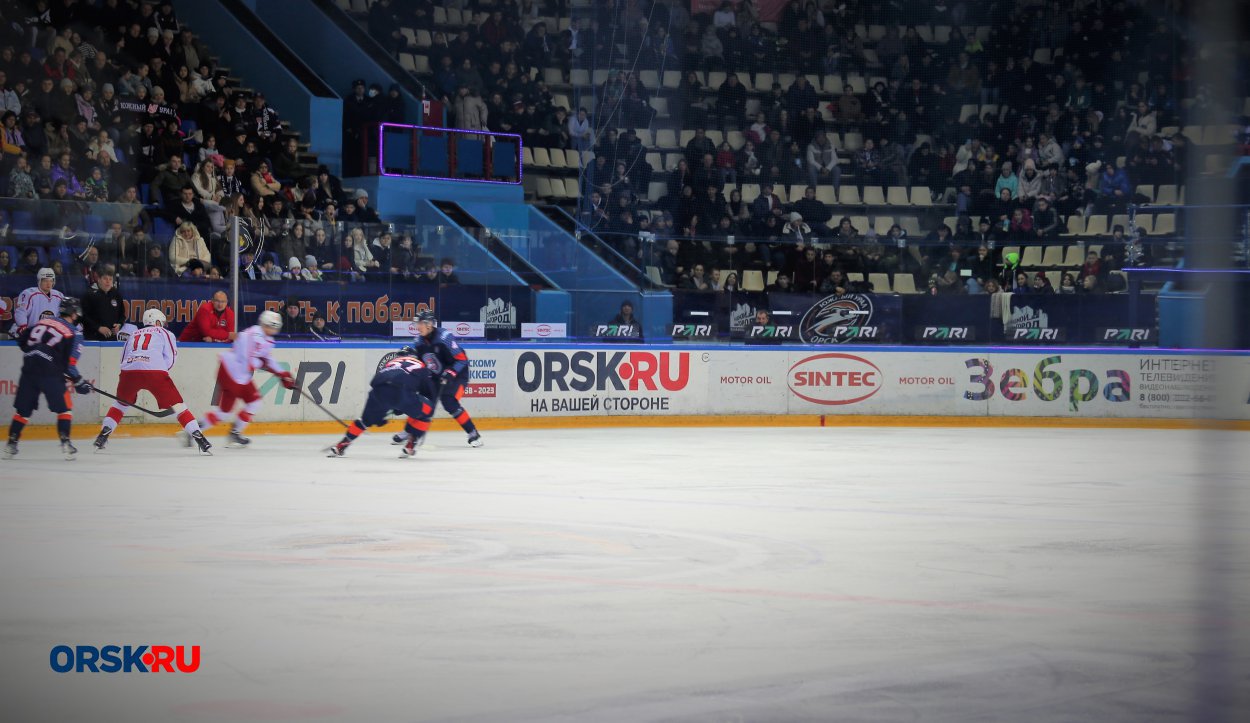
(1052, 256)
(897, 196)
(849, 196)
(905, 284)
(1031, 256)
(752, 280)
(921, 196)
(1076, 226)
(880, 283)
(1096, 226)
(873, 196)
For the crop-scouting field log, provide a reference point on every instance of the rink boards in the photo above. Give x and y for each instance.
(607, 380)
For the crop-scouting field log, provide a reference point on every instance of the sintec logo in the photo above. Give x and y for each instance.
(834, 379)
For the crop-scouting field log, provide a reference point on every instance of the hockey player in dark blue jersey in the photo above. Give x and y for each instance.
(453, 375)
(399, 386)
(50, 348)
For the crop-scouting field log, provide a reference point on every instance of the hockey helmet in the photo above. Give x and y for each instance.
(70, 307)
(270, 320)
(154, 317)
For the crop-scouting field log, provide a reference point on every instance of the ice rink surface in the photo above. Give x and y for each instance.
(884, 574)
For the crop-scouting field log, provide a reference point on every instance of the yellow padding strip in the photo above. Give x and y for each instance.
(82, 431)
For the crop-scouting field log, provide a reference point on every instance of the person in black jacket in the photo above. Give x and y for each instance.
(293, 323)
(103, 310)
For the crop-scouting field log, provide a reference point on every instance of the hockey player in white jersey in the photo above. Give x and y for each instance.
(252, 350)
(41, 301)
(148, 355)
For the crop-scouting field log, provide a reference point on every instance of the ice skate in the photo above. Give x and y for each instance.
(202, 442)
(237, 441)
(475, 439)
(102, 439)
(68, 449)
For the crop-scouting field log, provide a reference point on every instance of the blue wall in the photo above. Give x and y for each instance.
(319, 120)
(394, 197)
(327, 49)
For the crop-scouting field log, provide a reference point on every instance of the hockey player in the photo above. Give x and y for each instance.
(41, 301)
(252, 350)
(148, 356)
(454, 364)
(51, 348)
(397, 387)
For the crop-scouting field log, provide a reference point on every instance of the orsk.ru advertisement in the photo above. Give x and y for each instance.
(609, 381)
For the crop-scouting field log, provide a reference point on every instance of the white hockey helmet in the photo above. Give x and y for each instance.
(270, 320)
(154, 317)
(45, 273)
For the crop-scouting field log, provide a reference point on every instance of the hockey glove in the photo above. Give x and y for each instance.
(82, 386)
(288, 381)
(449, 376)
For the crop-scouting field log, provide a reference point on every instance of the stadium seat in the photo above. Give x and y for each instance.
(1148, 191)
(849, 196)
(880, 283)
(1031, 256)
(527, 156)
(882, 224)
(905, 284)
(772, 277)
(649, 78)
(666, 138)
(1074, 256)
(897, 196)
(1165, 224)
(911, 225)
(921, 196)
(854, 276)
(825, 195)
(861, 224)
(1076, 226)
(1096, 226)
(752, 280)
(1119, 219)
(570, 188)
(1145, 223)
(542, 187)
(852, 141)
(656, 190)
(672, 79)
(1052, 256)
(1055, 278)
(542, 158)
(653, 273)
(873, 196)
(647, 138)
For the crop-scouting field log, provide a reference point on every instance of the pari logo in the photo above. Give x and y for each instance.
(830, 319)
(584, 371)
(834, 379)
(125, 659)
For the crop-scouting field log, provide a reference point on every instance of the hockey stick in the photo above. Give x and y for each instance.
(158, 414)
(308, 396)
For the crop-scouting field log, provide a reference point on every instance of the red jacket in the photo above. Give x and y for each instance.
(208, 323)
